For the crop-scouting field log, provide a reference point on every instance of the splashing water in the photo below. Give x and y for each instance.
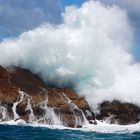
(49, 116)
(32, 117)
(78, 113)
(27, 114)
(89, 51)
(19, 100)
(3, 113)
(54, 121)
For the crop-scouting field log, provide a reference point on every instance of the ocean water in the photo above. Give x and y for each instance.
(13, 132)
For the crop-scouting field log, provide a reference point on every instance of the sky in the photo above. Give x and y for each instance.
(17, 16)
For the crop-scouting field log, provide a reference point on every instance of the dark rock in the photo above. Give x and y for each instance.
(121, 113)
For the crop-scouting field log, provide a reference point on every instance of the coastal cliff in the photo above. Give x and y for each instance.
(25, 96)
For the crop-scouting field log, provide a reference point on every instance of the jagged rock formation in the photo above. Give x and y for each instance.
(25, 96)
(119, 113)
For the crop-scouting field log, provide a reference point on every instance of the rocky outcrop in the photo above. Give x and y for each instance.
(119, 113)
(25, 96)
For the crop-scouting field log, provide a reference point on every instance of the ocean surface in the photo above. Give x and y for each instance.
(13, 132)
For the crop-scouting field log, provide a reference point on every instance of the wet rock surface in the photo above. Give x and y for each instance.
(24, 95)
(120, 113)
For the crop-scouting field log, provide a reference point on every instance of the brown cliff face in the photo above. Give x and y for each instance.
(24, 95)
(64, 102)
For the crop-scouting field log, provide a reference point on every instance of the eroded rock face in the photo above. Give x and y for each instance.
(27, 97)
(120, 113)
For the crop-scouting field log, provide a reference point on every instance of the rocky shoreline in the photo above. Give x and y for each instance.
(24, 95)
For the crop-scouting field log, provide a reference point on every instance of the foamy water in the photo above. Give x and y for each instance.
(101, 127)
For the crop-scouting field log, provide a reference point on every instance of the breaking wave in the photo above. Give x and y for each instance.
(89, 51)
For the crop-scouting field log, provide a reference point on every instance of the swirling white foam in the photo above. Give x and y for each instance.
(90, 50)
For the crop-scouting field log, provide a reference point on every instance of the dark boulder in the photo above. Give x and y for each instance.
(117, 112)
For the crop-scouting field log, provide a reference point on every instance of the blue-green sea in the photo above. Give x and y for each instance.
(8, 132)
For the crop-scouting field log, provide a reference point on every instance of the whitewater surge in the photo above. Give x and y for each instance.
(90, 52)
(101, 127)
